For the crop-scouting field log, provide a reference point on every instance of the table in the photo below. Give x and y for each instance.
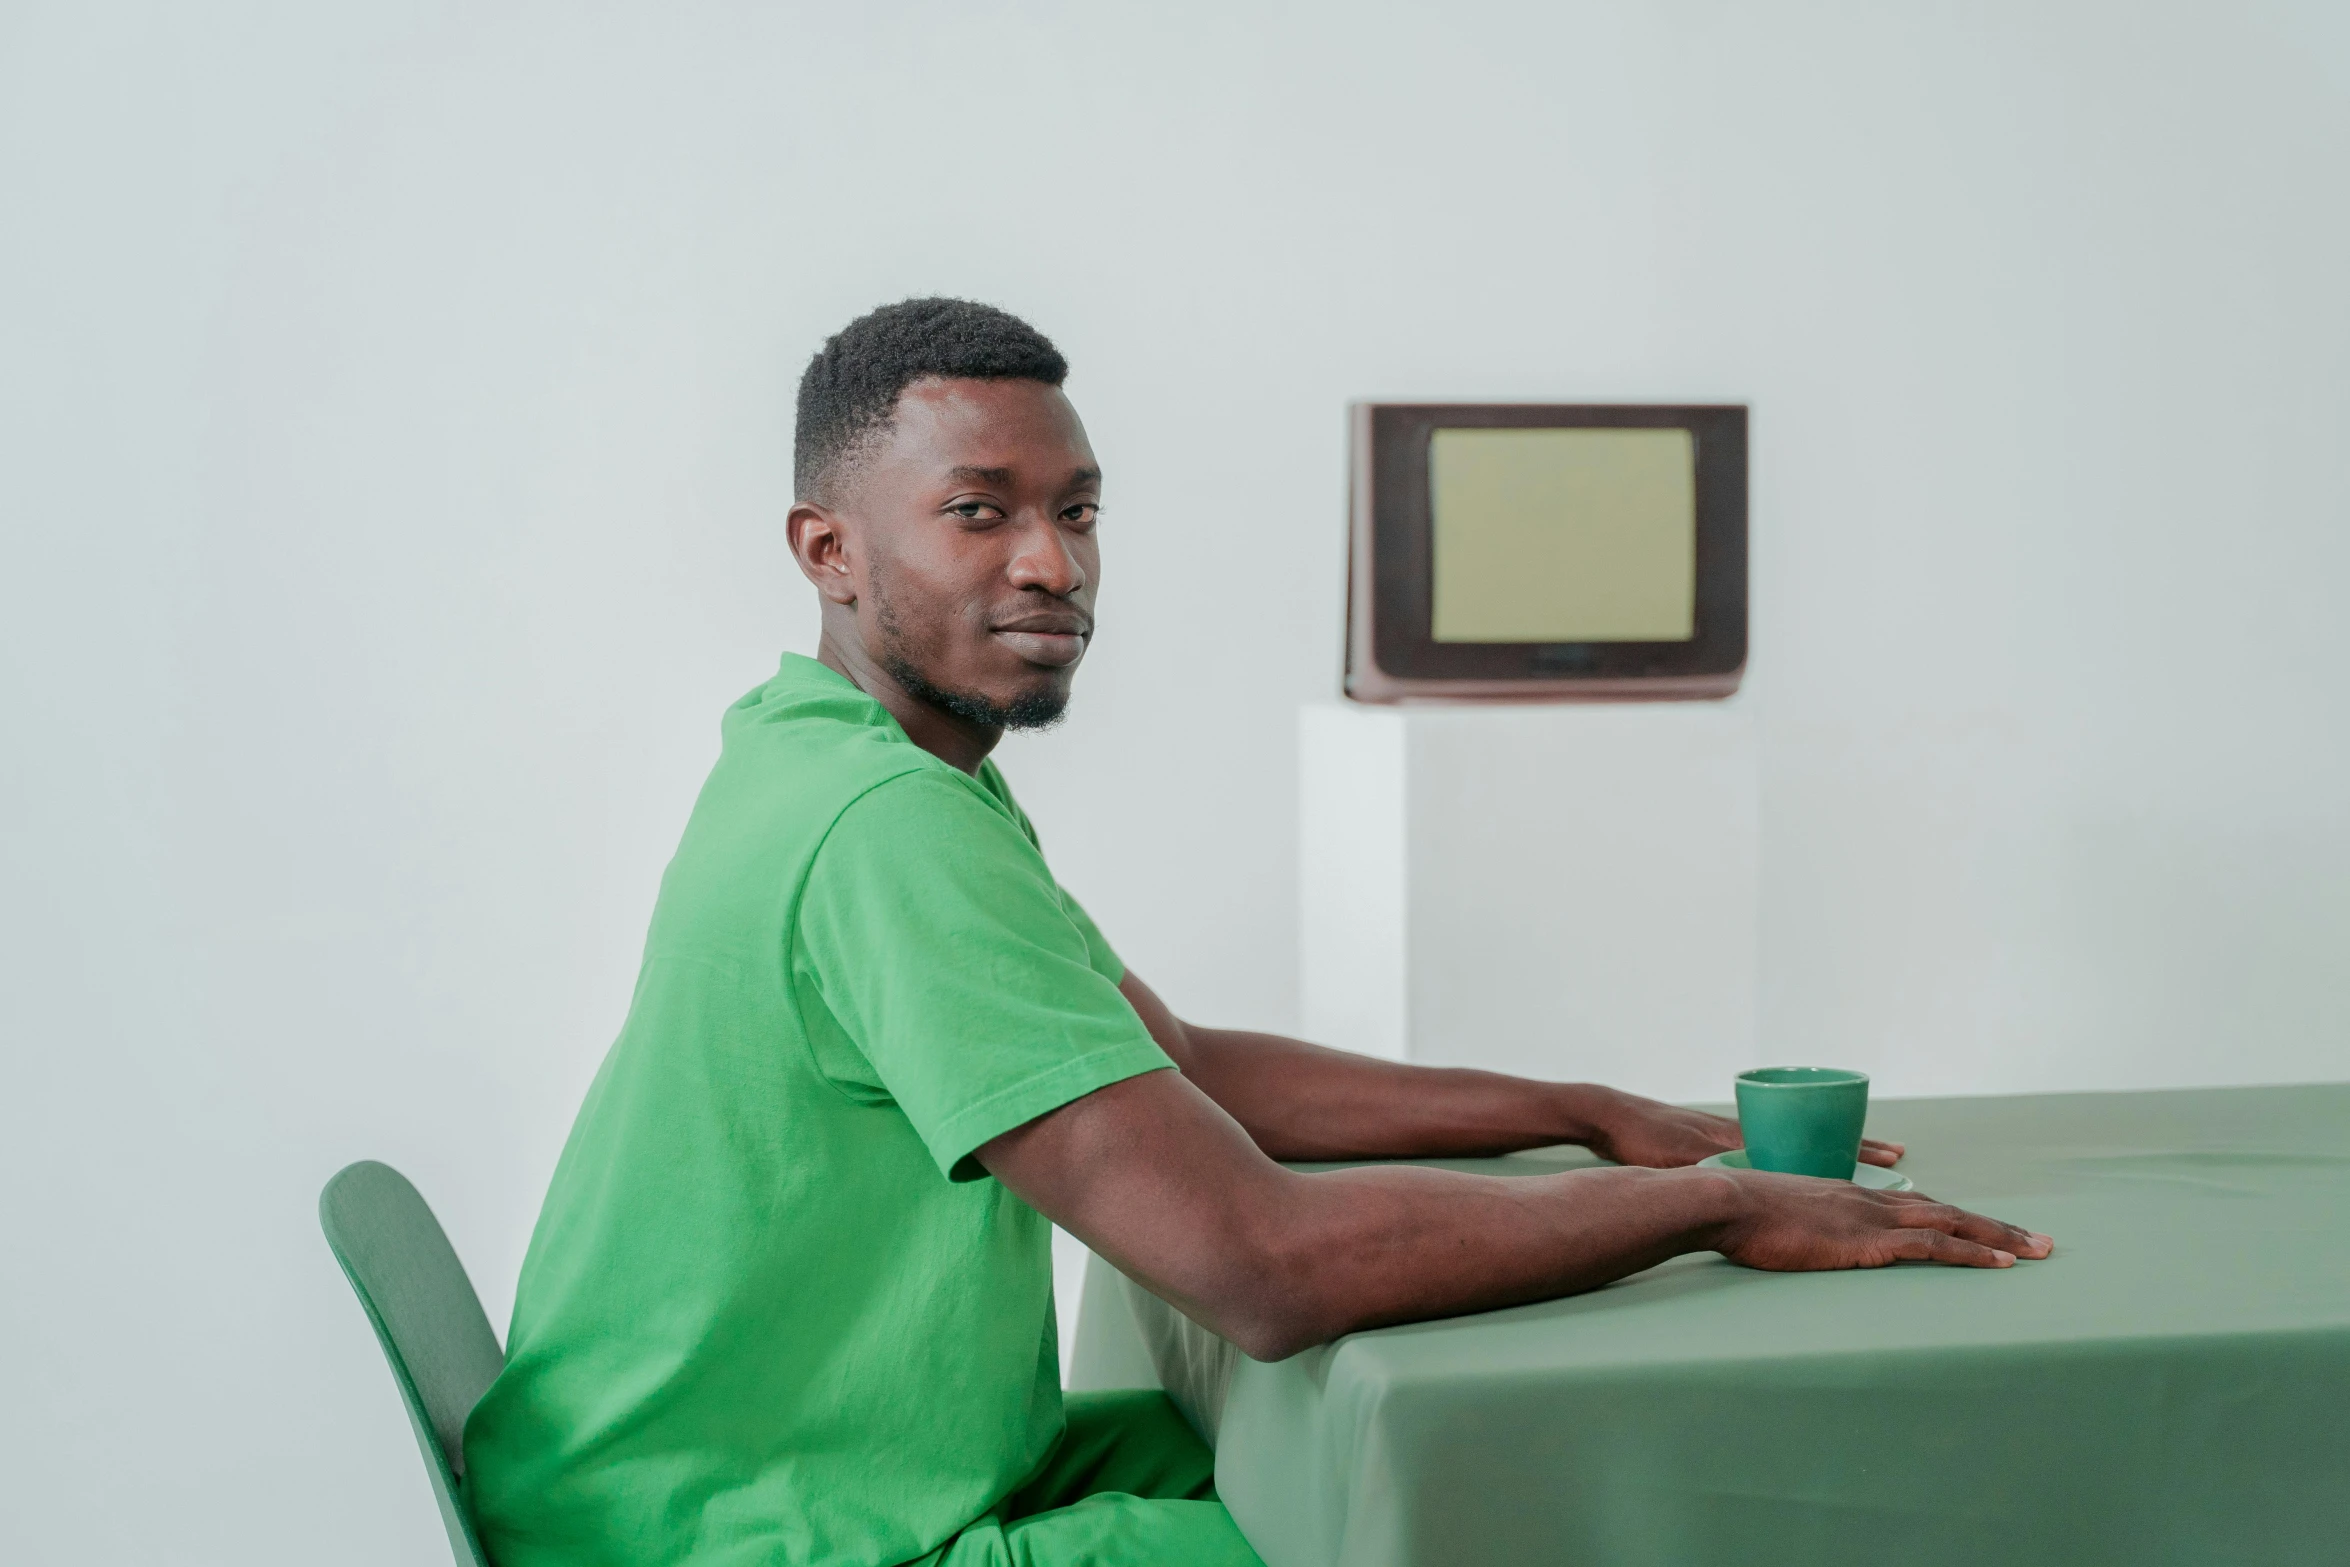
(2173, 1386)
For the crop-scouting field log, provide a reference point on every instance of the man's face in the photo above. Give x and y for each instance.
(973, 550)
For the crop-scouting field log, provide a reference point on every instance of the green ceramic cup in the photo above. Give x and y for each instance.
(1803, 1120)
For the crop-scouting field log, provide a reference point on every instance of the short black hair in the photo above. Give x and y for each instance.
(851, 387)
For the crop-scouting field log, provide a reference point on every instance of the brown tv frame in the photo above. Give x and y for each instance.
(1391, 655)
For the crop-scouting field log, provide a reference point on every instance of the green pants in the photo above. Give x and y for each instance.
(1128, 1486)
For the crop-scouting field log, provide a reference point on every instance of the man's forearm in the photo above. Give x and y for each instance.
(1155, 1176)
(1397, 1244)
(1301, 1101)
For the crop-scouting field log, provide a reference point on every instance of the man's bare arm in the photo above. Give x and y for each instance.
(1151, 1174)
(1301, 1101)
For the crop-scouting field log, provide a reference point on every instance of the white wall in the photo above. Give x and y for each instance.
(1542, 889)
(394, 404)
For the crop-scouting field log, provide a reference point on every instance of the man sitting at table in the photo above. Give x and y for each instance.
(790, 1298)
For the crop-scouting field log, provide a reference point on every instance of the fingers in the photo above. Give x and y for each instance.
(1881, 1153)
(1944, 1247)
(1995, 1234)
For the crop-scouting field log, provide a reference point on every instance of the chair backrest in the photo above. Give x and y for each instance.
(430, 1323)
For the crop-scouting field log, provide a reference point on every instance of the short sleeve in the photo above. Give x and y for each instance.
(938, 941)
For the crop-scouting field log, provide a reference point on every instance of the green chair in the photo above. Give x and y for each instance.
(430, 1323)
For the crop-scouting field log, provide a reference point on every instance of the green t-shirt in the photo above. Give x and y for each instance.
(773, 1310)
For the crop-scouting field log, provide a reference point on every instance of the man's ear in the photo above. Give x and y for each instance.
(821, 547)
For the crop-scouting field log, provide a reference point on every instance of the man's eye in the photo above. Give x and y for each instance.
(975, 511)
(1082, 515)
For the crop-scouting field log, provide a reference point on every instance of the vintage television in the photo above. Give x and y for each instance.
(1539, 552)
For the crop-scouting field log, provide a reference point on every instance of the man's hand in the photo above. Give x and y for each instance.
(1794, 1224)
(1631, 1130)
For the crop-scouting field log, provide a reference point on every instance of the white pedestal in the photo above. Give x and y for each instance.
(1557, 891)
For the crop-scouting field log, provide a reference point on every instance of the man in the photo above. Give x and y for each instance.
(790, 1299)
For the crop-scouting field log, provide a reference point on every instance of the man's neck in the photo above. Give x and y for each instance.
(954, 740)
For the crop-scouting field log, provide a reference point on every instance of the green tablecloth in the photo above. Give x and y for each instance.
(2173, 1386)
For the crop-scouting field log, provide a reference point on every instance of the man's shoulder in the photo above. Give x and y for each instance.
(811, 733)
(808, 754)
(793, 755)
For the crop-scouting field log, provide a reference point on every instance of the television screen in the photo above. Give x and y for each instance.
(1538, 551)
(1563, 535)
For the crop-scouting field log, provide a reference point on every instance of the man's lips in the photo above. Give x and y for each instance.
(1055, 641)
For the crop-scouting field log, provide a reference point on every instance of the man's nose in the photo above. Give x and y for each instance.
(1046, 562)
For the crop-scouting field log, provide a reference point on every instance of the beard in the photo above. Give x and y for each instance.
(1029, 710)
(1038, 709)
